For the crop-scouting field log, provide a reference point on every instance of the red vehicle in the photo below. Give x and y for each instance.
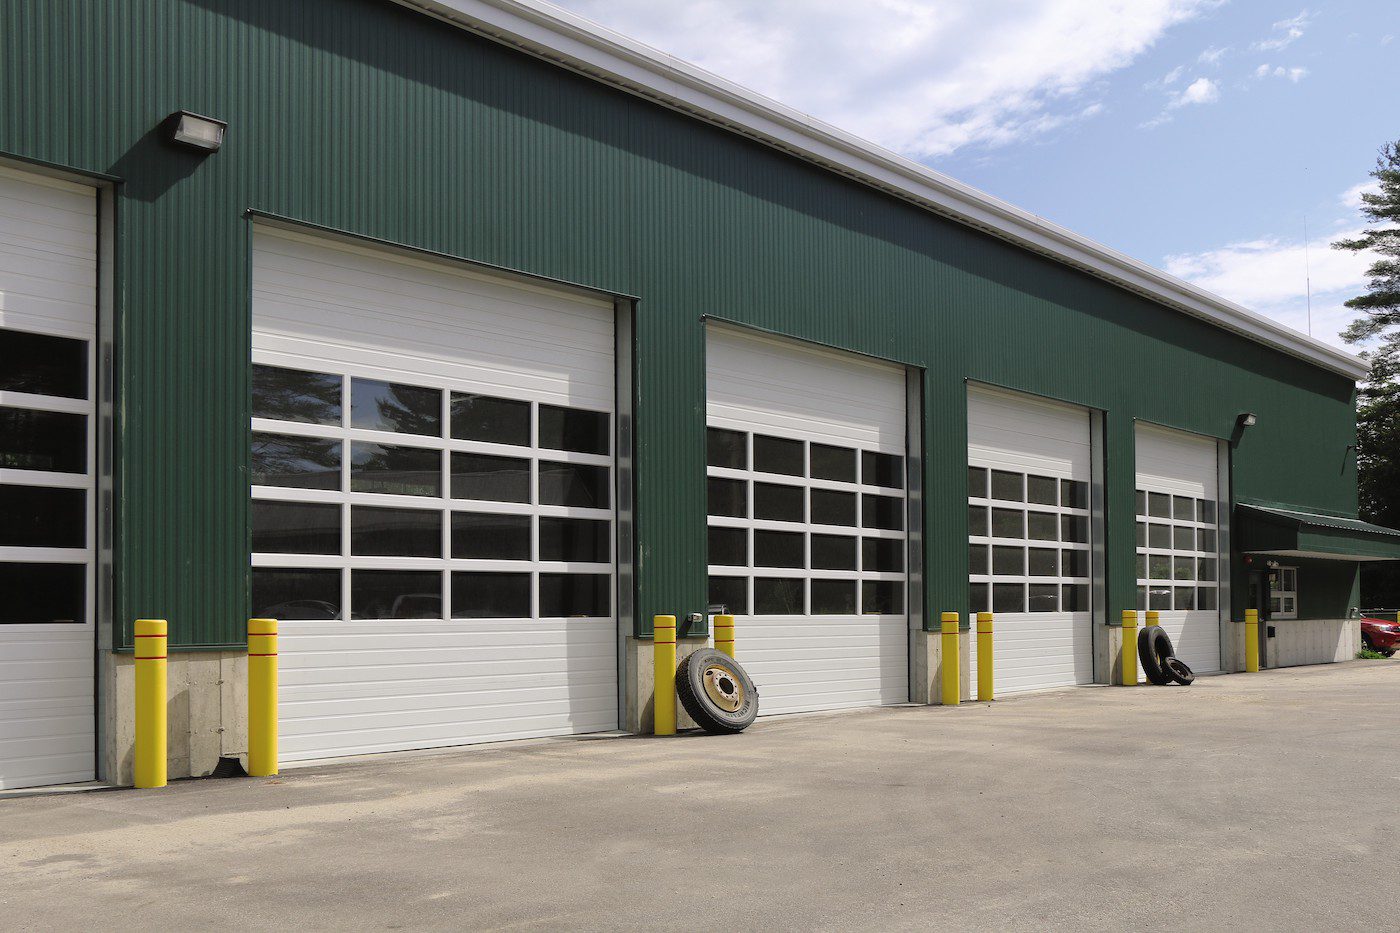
(1380, 631)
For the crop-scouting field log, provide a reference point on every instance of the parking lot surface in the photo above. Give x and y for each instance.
(1242, 802)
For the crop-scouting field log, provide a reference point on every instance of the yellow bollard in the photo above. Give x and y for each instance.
(664, 674)
(1130, 665)
(150, 702)
(724, 634)
(1251, 641)
(984, 656)
(1154, 617)
(952, 662)
(262, 697)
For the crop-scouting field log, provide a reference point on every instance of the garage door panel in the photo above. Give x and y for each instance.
(444, 336)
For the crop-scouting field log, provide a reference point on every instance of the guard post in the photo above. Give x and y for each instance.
(150, 702)
(1251, 641)
(664, 675)
(951, 662)
(262, 697)
(724, 634)
(1130, 665)
(985, 682)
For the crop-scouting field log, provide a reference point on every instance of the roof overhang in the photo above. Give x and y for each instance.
(1292, 533)
(562, 37)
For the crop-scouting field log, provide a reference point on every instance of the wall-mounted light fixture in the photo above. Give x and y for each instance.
(1246, 419)
(195, 131)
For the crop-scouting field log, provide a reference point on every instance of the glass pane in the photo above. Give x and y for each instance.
(1008, 523)
(978, 595)
(1185, 597)
(885, 512)
(1141, 502)
(41, 364)
(878, 469)
(295, 528)
(575, 484)
(1159, 567)
(294, 395)
(778, 597)
(1074, 528)
(1009, 597)
(585, 540)
(1159, 597)
(730, 592)
(477, 595)
(833, 597)
(1184, 568)
(1074, 494)
(1075, 563)
(1142, 598)
(490, 420)
(300, 462)
(575, 595)
(833, 508)
(883, 555)
(1074, 597)
(729, 547)
(775, 503)
(1159, 505)
(1205, 597)
(42, 516)
(726, 449)
(43, 440)
(1008, 486)
(1206, 511)
(1159, 536)
(575, 429)
(1043, 562)
(1044, 597)
(299, 595)
(1042, 526)
(728, 497)
(1142, 534)
(978, 560)
(484, 536)
(977, 483)
(1275, 604)
(1205, 568)
(376, 405)
(1205, 540)
(977, 524)
(1184, 538)
(779, 549)
(882, 597)
(1142, 566)
(1183, 508)
(395, 594)
(833, 552)
(36, 593)
(1009, 561)
(380, 532)
(404, 471)
(833, 463)
(1042, 490)
(777, 455)
(490, 478)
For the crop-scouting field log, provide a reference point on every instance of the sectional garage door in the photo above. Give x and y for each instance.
(807, 519)
(48, 302)
(432, 482)
(1029, 467)
(1179, 567)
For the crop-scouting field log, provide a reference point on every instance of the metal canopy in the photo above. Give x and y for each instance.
(1295, 533)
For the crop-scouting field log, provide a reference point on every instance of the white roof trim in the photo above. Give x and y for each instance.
(570, 40)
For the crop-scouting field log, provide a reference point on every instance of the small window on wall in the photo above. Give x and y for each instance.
(1283, 593)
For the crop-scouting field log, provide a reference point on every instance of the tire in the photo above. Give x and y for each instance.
(1179, 672)
(716, 692)
(1154, 646)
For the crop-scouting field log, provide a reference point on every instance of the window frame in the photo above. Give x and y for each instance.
(1281, 573)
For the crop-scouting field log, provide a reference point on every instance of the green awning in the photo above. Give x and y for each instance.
(1292, 533)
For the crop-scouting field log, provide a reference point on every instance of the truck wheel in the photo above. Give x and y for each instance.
(1179, 671)
(1154, 644)
(716, 692)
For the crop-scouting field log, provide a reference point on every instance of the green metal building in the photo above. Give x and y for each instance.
(464, 337)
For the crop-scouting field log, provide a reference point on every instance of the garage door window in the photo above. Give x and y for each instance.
(1177, 563)
(804, 528)
(407, 501)
(1028, 542)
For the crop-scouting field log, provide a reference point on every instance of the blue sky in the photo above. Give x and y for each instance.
(1195, 135)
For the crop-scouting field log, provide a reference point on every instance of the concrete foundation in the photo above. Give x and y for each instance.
(1108, 651)
(927, 685)
(1309, 641)
(638, 710)
(206, 713)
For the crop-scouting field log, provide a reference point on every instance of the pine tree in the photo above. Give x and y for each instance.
(1378, 399)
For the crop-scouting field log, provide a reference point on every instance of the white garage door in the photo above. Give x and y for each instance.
(1029, 466)
(432, 483)
(807, 520)
(1178, 565)
(48, 302)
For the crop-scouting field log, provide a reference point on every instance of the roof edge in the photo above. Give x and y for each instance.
(582, 45)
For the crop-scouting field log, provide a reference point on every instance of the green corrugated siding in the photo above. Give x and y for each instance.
(364, 116)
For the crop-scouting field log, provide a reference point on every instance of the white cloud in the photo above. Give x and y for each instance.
(1285, 33)
(1294, 74)
(922, 78)
(1213, 55)
(1171, 76)
(1352, 196)
(1200, 91)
